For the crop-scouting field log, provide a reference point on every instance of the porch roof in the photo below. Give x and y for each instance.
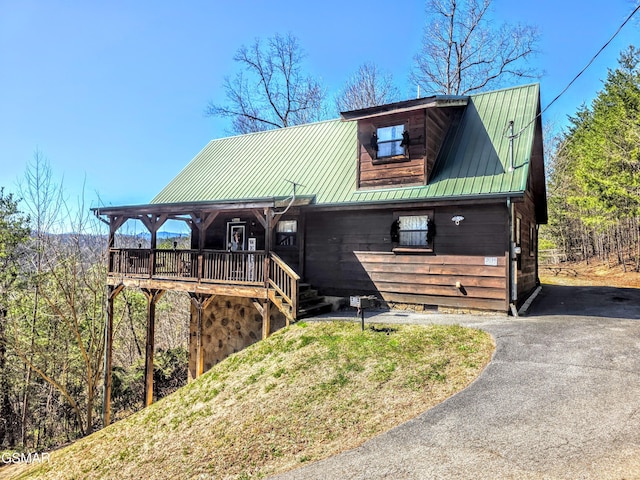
(321, 158)
(181, 209)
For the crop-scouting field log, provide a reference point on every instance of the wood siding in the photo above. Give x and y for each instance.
(427, 130)
(411, 171)
(484, 230)
(216, 234)
(331, 239)
(351, 253)
(527, 270)
(434, 279)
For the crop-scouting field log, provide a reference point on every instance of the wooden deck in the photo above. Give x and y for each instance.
(249, 274)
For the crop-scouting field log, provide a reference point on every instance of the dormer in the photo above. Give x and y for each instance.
(398, 143)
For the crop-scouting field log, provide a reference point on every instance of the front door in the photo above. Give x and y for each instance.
(236, 238)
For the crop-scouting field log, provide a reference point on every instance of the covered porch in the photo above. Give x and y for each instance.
(232, 254)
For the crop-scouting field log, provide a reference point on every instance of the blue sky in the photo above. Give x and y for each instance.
(113, 93)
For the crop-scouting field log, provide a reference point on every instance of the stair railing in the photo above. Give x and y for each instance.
(285, 282)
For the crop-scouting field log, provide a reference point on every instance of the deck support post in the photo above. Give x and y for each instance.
(200, 302)
(153, 295)
(266, 318)
(112, 292)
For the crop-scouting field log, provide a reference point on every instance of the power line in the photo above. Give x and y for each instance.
(581, 71)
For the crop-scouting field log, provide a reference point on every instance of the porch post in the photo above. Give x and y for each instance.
(153, 224)
(115, 222)
(201, 238)
(268, 213)
(268, 230)
(302, 224)
(153, 295)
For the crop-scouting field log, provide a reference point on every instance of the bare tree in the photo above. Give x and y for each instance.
(271, 90)
(67, 305)
(367, 88)
(43, 200)
(462, 52)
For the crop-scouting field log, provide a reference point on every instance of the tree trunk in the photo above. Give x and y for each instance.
(90, 396)
(27, 383)
(7, 415)
(621, 257)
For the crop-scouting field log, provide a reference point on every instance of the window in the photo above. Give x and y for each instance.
(532, 240)
(390, 141)
(413, 232)
(286, 233)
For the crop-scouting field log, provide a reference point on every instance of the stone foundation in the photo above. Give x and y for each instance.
(229, 324)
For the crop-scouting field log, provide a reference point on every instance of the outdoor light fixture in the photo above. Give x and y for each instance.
(457, 219)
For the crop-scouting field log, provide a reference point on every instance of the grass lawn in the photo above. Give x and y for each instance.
(307, 392)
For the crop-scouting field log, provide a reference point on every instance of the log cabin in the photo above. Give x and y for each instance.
(434, 201)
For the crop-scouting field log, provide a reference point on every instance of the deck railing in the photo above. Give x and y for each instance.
(250, 268)
(130, 261)
(233, 267)
(216, 266)
(176, 264)
(284, 281)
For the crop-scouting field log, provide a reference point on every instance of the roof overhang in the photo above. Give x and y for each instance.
(436, 101)
(463, 200)
(180, 209)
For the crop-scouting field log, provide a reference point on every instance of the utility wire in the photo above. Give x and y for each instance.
(581, 71)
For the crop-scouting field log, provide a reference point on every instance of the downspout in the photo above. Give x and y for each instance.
(512, 270)
(511, 137)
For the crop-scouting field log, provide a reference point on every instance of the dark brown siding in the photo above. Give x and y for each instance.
(331, 239)
(350, 253)
(484, 230)
(527, 271)
(216, 233)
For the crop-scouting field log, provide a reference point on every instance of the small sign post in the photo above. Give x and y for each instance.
(361, 303)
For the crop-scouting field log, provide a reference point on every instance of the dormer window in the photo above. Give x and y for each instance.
(390, 141)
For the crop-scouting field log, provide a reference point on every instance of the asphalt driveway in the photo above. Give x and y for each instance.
(560, 399)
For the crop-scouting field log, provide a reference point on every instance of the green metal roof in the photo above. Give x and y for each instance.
(476, 158)
(322, 158)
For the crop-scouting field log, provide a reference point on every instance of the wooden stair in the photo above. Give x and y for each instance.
(281, 305)
(310, 303)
